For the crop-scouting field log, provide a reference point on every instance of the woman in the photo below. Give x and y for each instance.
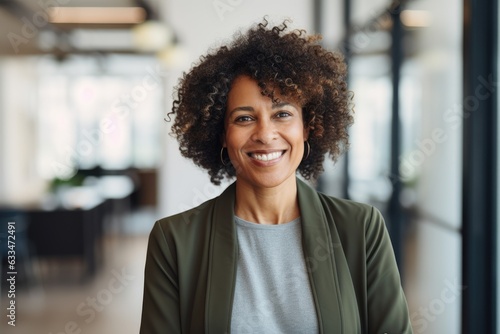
(270, 254)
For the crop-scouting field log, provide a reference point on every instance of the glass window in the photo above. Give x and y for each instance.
(431, 163)
(93, 115)
(364, 11)
(369, 154)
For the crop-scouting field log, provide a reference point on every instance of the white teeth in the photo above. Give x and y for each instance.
(267, 157)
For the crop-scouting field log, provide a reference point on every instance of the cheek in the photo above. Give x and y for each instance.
(233, 139)
(299, 134)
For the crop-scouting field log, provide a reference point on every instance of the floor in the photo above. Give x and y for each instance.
(55, 300)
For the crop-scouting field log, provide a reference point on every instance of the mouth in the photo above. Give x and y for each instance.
(266, 156)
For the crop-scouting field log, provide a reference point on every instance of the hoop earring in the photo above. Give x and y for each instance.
(308, 150)
(222, 159)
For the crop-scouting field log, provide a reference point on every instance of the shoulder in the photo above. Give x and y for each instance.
(190, 230)
(186, 222)
(199, 219)
(346, 208)
(351, 217)
(181, 236)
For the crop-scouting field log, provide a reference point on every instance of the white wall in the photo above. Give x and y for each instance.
(19, 181)
(200, 25)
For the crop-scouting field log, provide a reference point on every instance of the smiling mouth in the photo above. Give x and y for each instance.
(268, 156)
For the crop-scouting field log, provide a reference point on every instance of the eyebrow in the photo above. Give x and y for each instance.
(245, 108)
(282, 104)
(249, 108)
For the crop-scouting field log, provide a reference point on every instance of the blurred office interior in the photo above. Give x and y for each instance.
(87, 164)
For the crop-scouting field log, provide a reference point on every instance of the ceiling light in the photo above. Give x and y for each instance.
(416, 18)
(152, 36)
(97, 15)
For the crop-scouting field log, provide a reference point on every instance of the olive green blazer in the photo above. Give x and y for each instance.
(191, 268)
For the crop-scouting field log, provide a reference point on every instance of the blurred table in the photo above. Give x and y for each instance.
(67, 233)
(70, 223)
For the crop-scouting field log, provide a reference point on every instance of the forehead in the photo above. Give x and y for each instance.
(244, 88)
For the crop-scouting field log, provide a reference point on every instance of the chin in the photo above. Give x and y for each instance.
(268, 181)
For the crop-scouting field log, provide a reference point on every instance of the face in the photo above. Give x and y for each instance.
(265, 141)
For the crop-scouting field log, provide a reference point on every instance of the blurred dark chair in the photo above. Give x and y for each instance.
(23, 251)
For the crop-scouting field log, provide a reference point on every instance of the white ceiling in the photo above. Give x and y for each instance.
(22, 21)
(16, 37)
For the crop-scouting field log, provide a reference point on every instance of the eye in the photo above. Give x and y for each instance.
(283, 114)
(242, 119)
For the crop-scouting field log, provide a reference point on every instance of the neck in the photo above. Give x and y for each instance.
(275, 205)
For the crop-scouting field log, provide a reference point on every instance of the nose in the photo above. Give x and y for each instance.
(265, 132)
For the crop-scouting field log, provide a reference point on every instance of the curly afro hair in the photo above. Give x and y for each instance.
(290, 62)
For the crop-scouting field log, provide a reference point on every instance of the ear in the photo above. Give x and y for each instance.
(306, 133)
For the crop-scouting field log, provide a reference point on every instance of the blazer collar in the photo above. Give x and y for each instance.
(329, 274)
(222, 263)
(327, 266)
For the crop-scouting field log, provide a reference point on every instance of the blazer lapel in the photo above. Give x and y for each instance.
(222, 264)
(328, 270)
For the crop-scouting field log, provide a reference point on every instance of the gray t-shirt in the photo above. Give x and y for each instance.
(272, 292)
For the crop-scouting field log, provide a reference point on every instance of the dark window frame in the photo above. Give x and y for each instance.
(479, 193)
